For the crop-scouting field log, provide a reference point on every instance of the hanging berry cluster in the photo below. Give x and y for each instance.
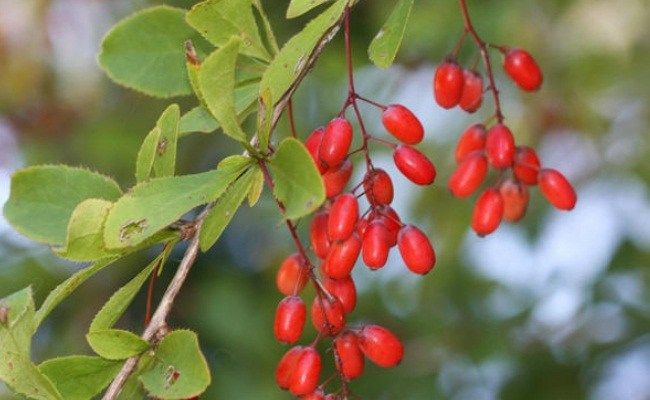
(480, 148)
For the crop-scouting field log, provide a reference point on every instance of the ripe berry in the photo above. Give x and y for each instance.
(292, 275)
(350, 361)
(469, 175)
(312, 143)
(341, 257)
(336, 142)
(471, 140)
(378, 187)
(332, 320)
(448, 84)
(527, 165)
(515, 200)
(414, 165)
(289, 319)
(416, 249)
(403, 124)
(381, 346)
(500, 146)
(286, 366)
(472, 96)
(557, 189)
(523, 69)
(488, 212)
(376, 244)
(344, 215)
(320, 242)
(306, 373)
(344, 290)
(337, 178)
(390, 218)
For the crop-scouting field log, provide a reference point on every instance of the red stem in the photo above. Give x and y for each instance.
(292, 121)
(150, 288)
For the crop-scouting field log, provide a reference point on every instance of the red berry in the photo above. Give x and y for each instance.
(344, 215)
(341, 257)
(337, 178)
(472, 96)
(286, 366)
(376, 244)
(515, 200)
(448, 84)
(500, 146)
(416, 249)
(350, 361)
(488, 212)
(292, 275)
(557, 189)
(381, 346)
(469, 175)
(312, 143)
(320, 241)
(332, 320)
(390, 218)
(336, 142)
(523, 69)
(344, 290)
(527, 165)
(471, 140)
(403, 124)
(306, 373)
(289, 319)
(378, 187)
(414, 165)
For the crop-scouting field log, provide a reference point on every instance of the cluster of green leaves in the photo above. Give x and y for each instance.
(223, 52)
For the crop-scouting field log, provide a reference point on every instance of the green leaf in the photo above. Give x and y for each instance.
(21, 375)
(299, 7)
(145, 52)
(164, 163)
(290, 65)
(151, 206)
(18, 305)
(268, 29)
(257, 185)
(146, 155)
(197, 119)
(43, 197)
(219, 20)
(66, 288)
(384, 46)
(217, 82)
(132, 387)
(297, 182)
(116, 344)
(224, 210)
(180, 370)
(80, 377)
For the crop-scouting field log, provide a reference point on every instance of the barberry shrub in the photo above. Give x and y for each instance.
(225, 54)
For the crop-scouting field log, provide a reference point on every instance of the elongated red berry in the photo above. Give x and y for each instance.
(342, 256)
(350, 361)
(500, 146)
(403, 124)
(472, 96)
(381, 346)
(414, 165)
(488, 212)
(320, 241)
(290, 319)
(376, 244)
(332, 320)
(378, 187)
(337, 178)
(390, 218)
(286, 366)
(312, 143)
(344, 290)
(469, 175)
(557, 189)
(343, 218)
(306, 373)
(416, 249)
(523, 69)
(471, 140)
(515, 199)
(527, 165)
(292, 275)
(448, 84)
(336, 142)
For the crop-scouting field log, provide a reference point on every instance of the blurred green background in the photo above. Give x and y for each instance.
(555, 307)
